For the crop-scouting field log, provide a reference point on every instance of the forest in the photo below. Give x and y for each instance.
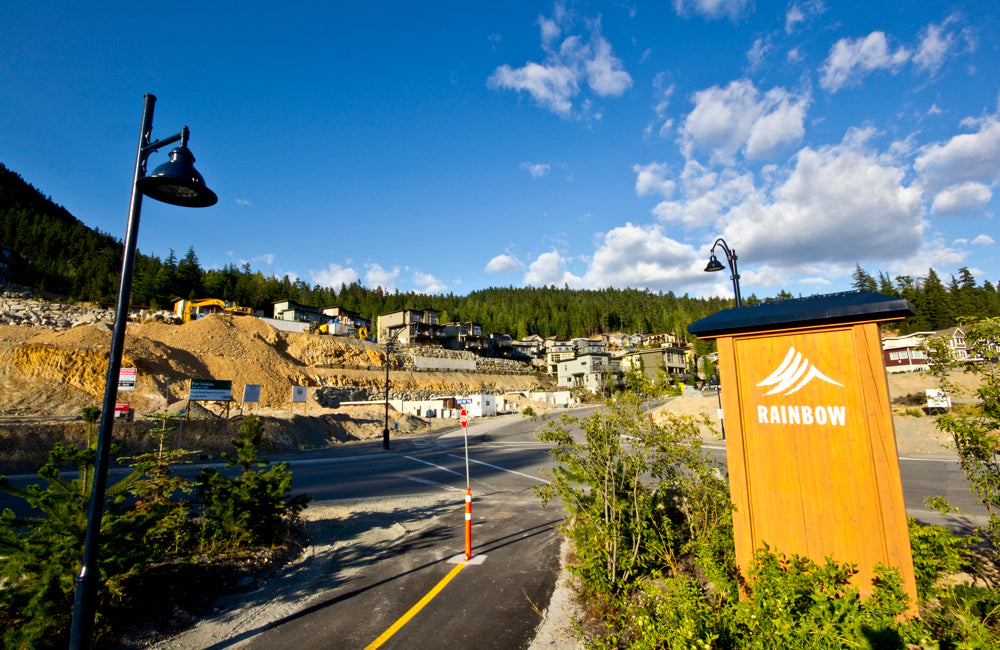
(54, 252)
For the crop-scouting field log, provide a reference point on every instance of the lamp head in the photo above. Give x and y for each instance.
(177, 182)
(714, 264)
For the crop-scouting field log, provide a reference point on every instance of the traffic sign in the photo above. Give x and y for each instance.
(464, 419)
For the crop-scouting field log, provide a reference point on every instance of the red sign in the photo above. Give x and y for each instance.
(122, 407)
(464, 419)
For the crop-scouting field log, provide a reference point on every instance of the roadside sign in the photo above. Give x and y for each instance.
(126, 379)
(123, 411)
(210, 390)
(299, 394)
(251, 393)
(464, 419)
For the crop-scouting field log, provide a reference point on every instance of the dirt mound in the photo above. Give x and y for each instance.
(48, 376)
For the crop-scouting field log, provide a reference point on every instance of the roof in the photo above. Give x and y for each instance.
(829, 309)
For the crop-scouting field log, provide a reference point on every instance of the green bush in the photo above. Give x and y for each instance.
(148, 520)
(650, 521)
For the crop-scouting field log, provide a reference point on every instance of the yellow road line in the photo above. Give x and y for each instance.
(416, 608)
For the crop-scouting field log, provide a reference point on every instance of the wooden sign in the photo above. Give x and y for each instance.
(810, 446)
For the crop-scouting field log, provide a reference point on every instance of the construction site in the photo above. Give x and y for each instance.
(48, 374)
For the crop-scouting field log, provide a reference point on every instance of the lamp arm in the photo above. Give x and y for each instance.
(731, 258)
(159, 144)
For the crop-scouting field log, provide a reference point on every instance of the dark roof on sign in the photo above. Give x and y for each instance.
(829, 309)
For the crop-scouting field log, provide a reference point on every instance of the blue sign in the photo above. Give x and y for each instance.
(464, 400)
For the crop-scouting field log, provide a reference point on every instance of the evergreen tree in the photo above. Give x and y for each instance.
(935, 304)
(190, 282)
(862, 280)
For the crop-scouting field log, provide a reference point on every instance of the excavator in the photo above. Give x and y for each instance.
(188, 309)
(330, 328)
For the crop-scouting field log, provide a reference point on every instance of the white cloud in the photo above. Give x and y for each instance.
(801, 12)
(663, 91)
(838, 204)
(652, 178)
(982, 240)
(850, 59)
(816, 218)
(934, 47)
(550, 30)
(537, 170)
(556, 83)
(966, 157)
(793, 17)
(964, 199)
(376, 276)
(642, 256)
(932, 254)
(605, 73)
(758, 52)
(707, 196)
(333, 276)
(503, 264)
(427, 283)
(714, 9)
(737, 118)
(243, 202)
(549, 269)
(552, 87)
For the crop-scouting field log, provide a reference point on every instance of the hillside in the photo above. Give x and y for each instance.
(48, 376)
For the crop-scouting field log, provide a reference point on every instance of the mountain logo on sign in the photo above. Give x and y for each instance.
(793, 374)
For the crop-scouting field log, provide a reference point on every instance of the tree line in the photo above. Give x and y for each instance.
(61, 255)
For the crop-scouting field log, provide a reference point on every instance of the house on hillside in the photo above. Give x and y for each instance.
(411, 327)
(557, 350)
(591, 372)
(903, 353)
(463, 336)
(293, 311)
(671, 360)
(531, 348)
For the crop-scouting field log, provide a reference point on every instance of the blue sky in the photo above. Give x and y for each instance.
(451, 146)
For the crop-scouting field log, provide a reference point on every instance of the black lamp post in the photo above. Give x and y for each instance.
(176, 182)
(388, 350)
(715, 265)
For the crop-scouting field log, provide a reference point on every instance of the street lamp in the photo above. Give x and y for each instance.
(176, 182)
(715, 265)
(388, 350)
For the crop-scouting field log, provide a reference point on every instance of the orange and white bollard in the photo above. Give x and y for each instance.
(468, 523)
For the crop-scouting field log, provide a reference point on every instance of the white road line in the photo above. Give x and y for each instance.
(424, 481)
(502, 469)
(526, 442)
(417, 460)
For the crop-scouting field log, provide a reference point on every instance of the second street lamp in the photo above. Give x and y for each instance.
(388, 351)
(176, 182)
(715, 265)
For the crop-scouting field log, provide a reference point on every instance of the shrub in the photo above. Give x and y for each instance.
(252, 509)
